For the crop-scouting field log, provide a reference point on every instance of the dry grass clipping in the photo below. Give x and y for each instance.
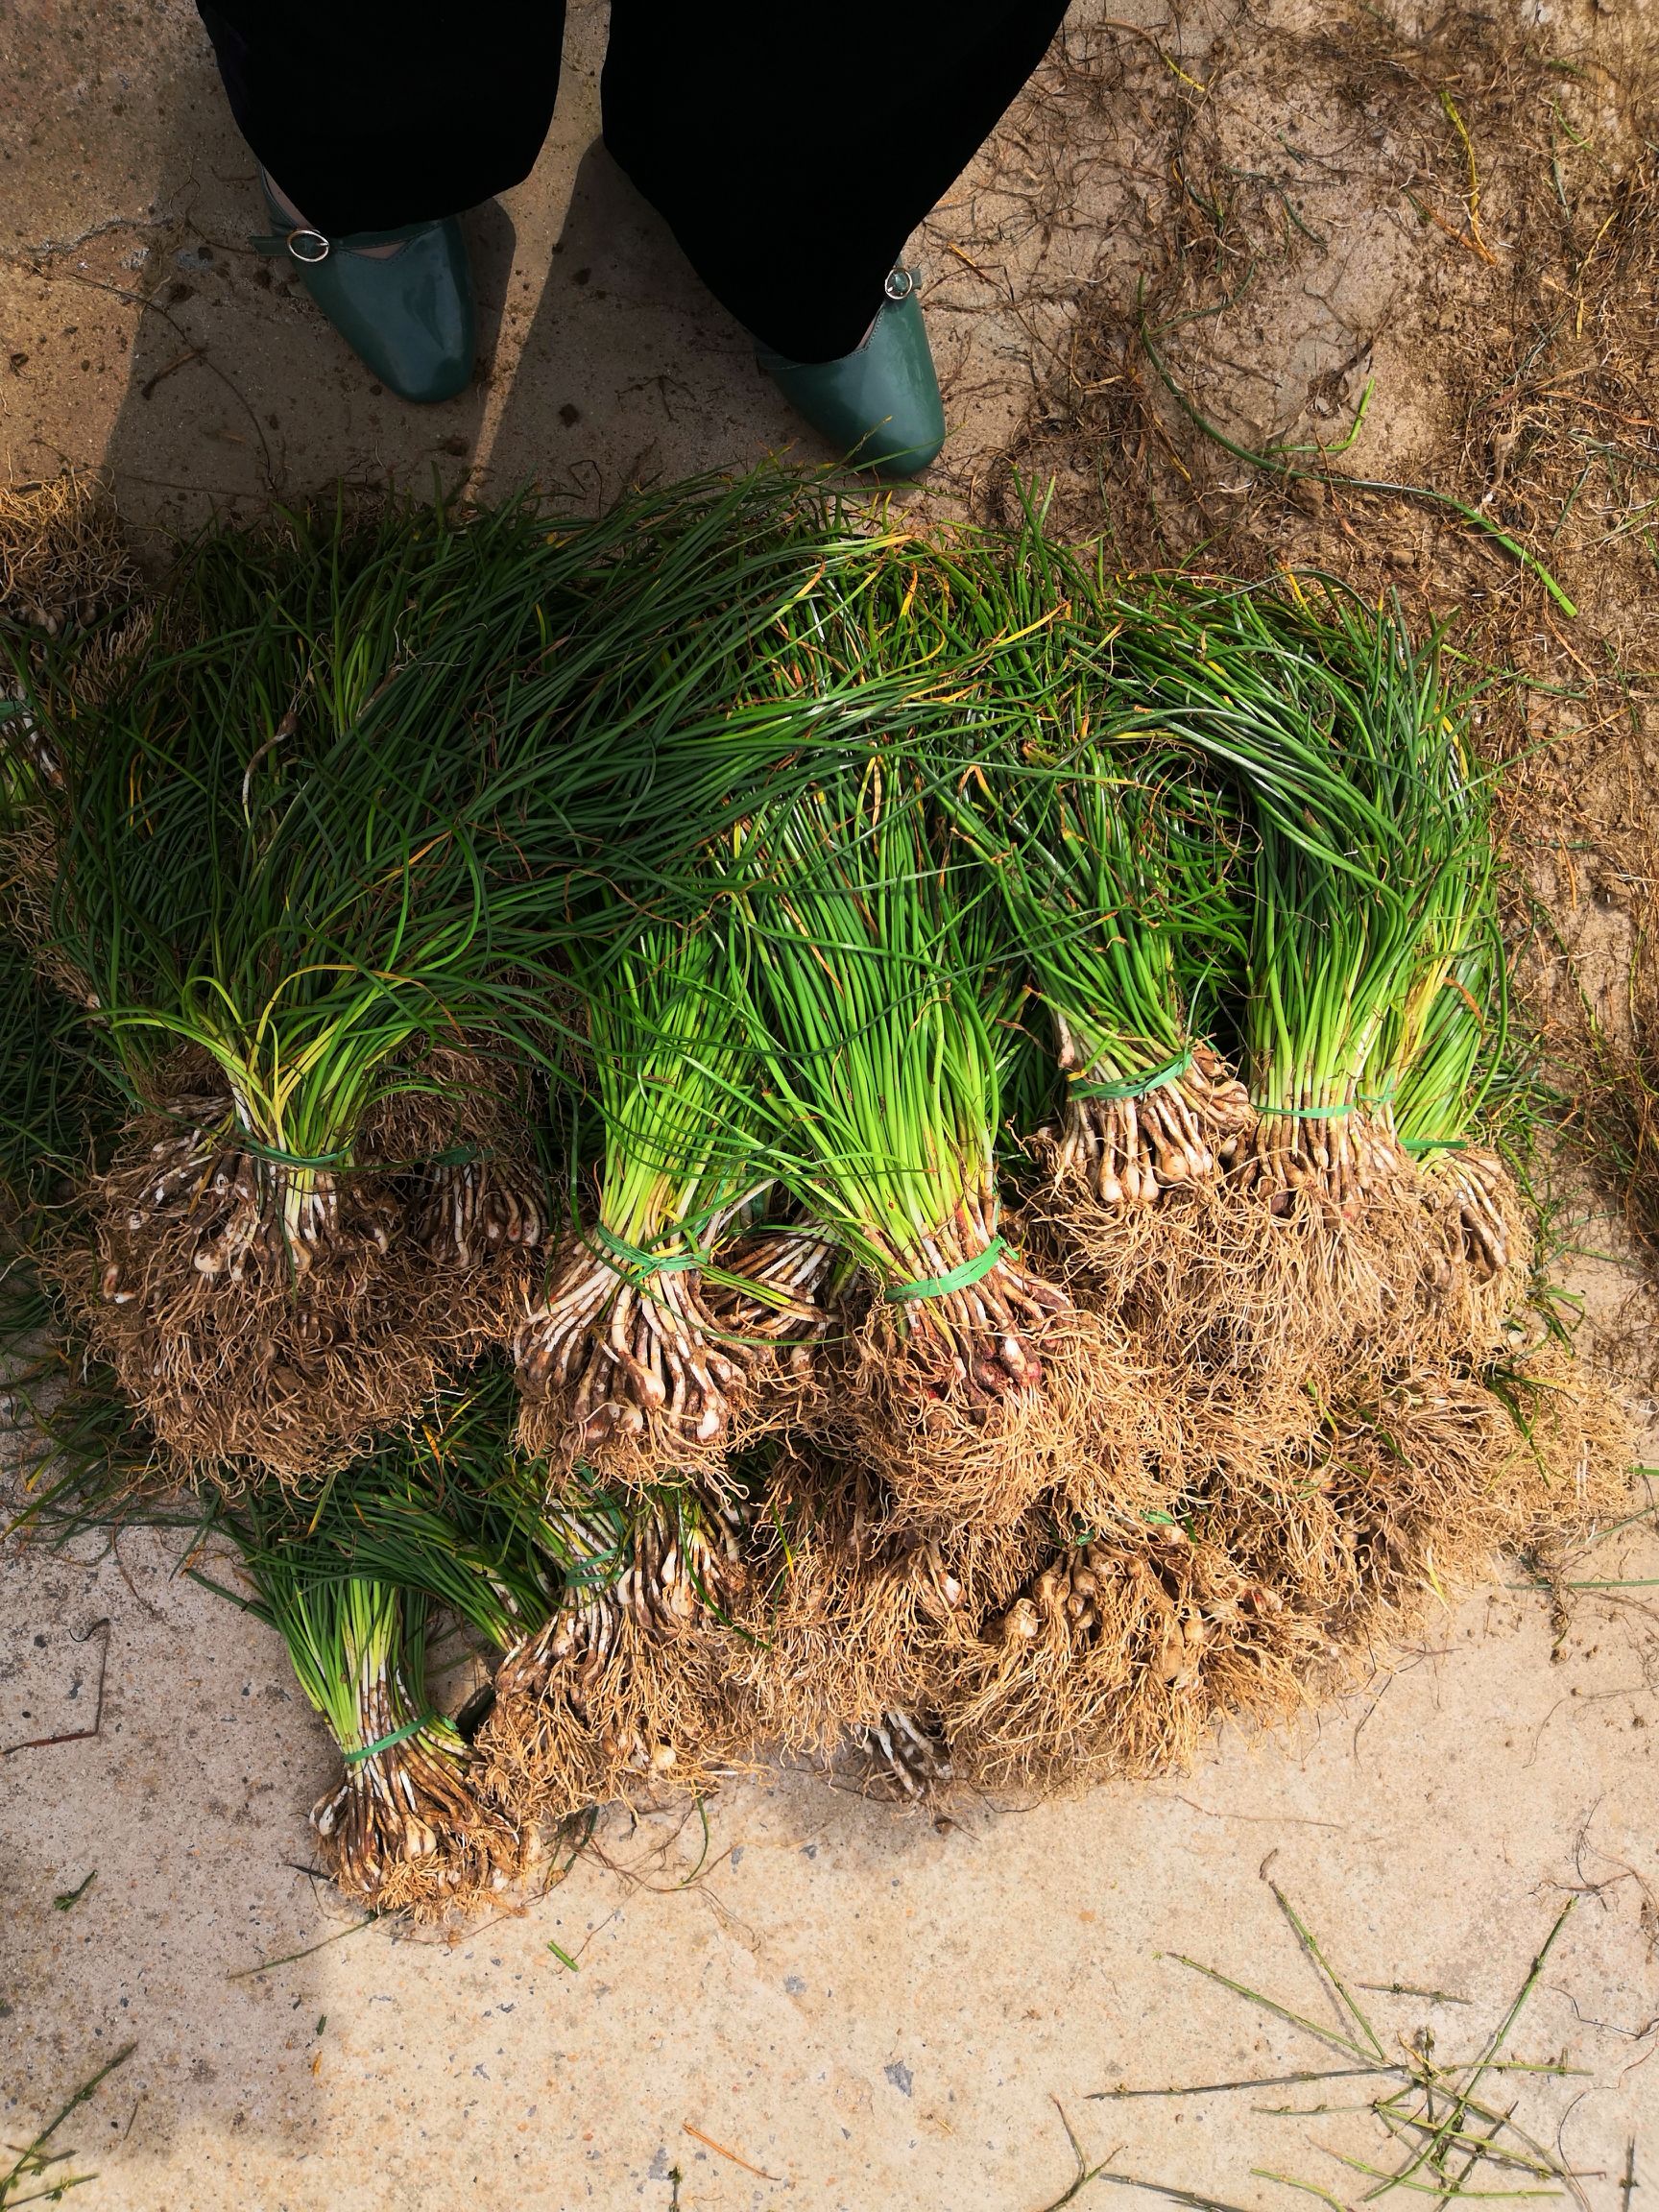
(62, 557)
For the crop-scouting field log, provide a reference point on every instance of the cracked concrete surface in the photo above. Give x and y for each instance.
(822, 2002)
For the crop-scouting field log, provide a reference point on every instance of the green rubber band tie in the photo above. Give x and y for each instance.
(1180, 1066)
(453, 1156)
(385, 1742)
(1303, 1113)
(461, 1155)
(958, 1279)
(316, 1161)
(643, 1263)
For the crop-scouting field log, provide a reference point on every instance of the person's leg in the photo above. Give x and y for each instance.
(372, 117)
(793, 148)
(374, 113)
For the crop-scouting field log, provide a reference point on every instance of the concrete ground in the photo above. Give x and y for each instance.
(823, 2001)
(827, 2002)
(143, 333)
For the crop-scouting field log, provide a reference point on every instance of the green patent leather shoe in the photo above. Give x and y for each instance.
(879, 404)
(408, 316)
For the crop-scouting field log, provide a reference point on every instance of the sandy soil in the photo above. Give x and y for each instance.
(823, 1998)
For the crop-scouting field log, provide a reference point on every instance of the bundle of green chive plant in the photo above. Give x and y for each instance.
(1455, 1088)
(1256, 757)
(1112, 866)
(1368, 855)
(966, 1404)
(874, 1006)
(623, 1360)
(630, 1688)
(295, 865)
(437, 1523)
(270, 894)
(884, 995)
(407, 1827)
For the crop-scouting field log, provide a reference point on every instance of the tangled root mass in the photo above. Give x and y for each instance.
(637, 1372)
(273, 1318)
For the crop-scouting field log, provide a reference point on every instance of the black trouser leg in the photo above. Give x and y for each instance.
(793, 145)
(370, 114)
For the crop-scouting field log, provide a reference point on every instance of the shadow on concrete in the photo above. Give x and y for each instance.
(600, 364)
(238, 391)
(630, 368)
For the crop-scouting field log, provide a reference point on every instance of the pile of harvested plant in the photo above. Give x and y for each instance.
(829, 1142)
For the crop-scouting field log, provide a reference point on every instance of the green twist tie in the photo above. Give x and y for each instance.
(240, 1139)
(385, 1742)
(1303, 1113)
(958, 1279)
(643, 1263)
(318, 1161)
(1173, 1072)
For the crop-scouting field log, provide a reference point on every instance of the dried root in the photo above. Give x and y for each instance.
(1132, 1151)
(1431, 1473)
(1311, 1259)
(407, 1828)
(906, 1663)
(1288, 1558)
(1083, 1430)
(969, 1401)
(465, 1211)
(635, 1373)
(1227, 1284)
(1294, 1267)
(774, 1297)
(1480, 1255)
(845, 1617)
(63, 558)
(1115, 1660)
(899, 1757)
(627, 1692)
(281, 1317)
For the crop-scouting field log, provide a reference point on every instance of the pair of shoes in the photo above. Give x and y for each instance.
(408, 315)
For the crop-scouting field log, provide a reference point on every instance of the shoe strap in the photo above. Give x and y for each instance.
(302, 244)
(309, 247)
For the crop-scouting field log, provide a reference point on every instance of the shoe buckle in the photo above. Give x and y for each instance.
(901, 283)
(311, 238)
